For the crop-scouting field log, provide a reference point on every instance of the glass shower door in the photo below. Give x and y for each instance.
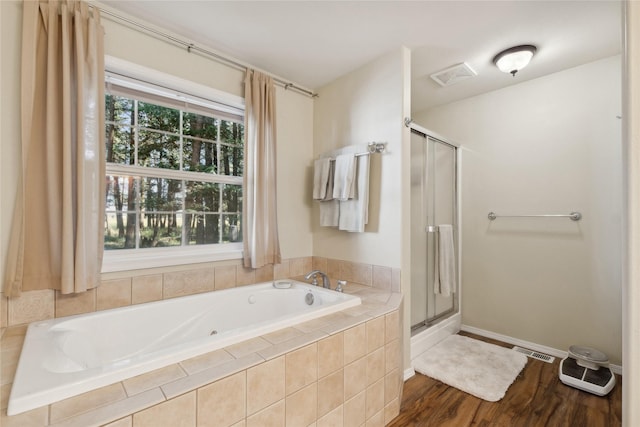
(433, 202)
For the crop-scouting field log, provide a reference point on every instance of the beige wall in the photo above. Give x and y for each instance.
(550, 145)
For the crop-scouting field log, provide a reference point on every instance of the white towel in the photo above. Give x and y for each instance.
(321, 174)
(354, 213)
(329, 213)
(344, 177)
(445, 262)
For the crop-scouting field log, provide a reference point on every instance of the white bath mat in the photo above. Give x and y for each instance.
(476, 367)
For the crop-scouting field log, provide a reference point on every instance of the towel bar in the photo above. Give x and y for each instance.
(575, 216)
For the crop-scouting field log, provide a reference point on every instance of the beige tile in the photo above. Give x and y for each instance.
(334, 418)
(179, 283)
(113, 293)
(382, 277)
(391, 386)
(243, 348)
(391, 410)
(354, 410)
(282, 335)
(208, 376)
(86, 402)
(115, 410)
(392, 326)
(245, 276)
(4, 321)
(375, 365)
(146, 288)
(242, 423)
(300, 266)
(355, 378)
(301, 406)
(396, 276)
(375, 333)
(5, 390)
(31, 306)
(291, 345)
(375, 399)
(265, 384)
(222, 403)
(344, 323)
(281, 271)
(178, 412)
(205, 361)
(301, 368)
(264, 274)
(153, 379)
(318, 263)
(273, 416)
(377, 420)
(123, 422)
(225, 277)
(362, 274)
(392, 356)
(355, 343)
(34, 418)
(70, 304)
(330, 354)
(335, 268)
(331, 392)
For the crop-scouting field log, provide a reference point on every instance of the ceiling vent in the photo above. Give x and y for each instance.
(453, 75)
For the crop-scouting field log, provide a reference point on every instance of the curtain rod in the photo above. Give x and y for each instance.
(192, 47)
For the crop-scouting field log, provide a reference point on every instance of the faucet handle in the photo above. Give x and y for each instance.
(341, 285)
(314, 280)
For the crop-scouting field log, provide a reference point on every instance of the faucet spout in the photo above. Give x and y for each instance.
(314, 275)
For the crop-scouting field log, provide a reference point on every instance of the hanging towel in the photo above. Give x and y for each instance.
(322, 173)
(445, 262)
(354, 213)
(344, 177)
(329, 213)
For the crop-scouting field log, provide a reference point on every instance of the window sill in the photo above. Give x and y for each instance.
(131, 259)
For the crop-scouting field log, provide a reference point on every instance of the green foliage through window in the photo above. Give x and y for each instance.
(174, 178)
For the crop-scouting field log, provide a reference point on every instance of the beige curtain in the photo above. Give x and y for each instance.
(259, 217)
(57, 235)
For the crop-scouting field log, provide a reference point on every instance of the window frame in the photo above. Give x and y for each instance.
(170, 86)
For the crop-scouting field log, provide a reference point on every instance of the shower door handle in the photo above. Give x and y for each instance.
(432, 229)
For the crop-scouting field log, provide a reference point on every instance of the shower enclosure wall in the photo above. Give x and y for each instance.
(434, 202)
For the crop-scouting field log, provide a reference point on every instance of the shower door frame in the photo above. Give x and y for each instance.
(427, 134)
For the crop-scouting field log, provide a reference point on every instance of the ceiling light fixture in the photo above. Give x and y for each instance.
(514, 59)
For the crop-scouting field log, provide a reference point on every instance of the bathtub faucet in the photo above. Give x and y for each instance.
(314, 275)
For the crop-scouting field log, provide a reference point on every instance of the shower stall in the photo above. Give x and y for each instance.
(434, 202)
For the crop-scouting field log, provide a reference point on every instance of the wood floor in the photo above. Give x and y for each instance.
(536, 398)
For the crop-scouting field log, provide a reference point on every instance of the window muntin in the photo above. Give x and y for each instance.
(174, 176)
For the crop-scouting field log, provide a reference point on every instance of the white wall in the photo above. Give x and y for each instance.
(550, 145)
(362, 106)
(294, 111)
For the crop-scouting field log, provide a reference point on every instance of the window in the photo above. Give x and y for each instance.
(174, 167)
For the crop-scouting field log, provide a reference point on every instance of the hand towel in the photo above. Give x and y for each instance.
(329, 213)
(445, 262)
(354, 213)
(343, 177)
(321, 174)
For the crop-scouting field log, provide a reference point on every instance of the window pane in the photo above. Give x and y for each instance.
(202, 196)
(232, 135)
(158, 150)
(202, 228)
(119, 145)
(200, 126)
(159, 118)
(118, 109)
(232, 198)
(161, 221)
(120, 221)
(231, 230)
(200, 156)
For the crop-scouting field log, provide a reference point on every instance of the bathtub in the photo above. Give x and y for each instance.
(71, 355)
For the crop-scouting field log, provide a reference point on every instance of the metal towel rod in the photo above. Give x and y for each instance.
(575, 216)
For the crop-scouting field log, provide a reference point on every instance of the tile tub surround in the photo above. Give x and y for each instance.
(340, 369)
(140, 286)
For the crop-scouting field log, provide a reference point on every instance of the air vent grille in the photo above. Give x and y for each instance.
(453, 75)
(534, 354)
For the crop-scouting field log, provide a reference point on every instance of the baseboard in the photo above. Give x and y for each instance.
(617, 369)
(434, 334)
(408, 373)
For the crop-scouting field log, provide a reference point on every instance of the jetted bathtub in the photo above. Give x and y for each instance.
(71, 355)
